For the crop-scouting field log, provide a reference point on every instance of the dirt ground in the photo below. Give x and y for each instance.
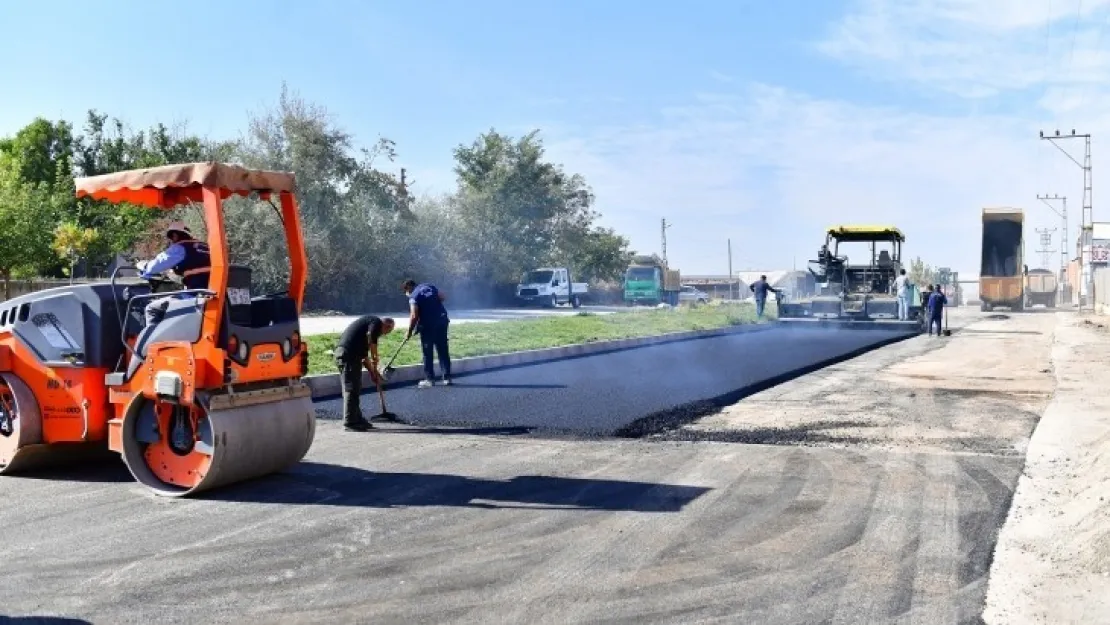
(1052, 562)
(924, 394)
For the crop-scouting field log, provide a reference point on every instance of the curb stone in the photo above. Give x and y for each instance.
(327, 385)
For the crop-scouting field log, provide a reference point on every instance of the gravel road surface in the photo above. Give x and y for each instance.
(603, 393)
(429, 525)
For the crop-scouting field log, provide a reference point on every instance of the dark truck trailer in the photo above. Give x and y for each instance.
(1041, 287)
(1001, 279)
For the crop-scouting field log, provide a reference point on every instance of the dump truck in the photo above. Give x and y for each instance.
(1041, 287)
(856, 288)
(550, 286)
(1001, 279)
(649, 281)
(211, 395)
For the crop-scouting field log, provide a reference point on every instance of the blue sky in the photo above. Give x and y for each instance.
(763, 122)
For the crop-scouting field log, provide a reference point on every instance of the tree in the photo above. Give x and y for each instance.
(352, 213)
(71, 242)
(516, 210)
(921, 274)
(27, 213)
(108, 146)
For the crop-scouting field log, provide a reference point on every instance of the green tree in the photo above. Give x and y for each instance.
(27, 214)
(108, 146)
(516, 209)
(71, 242)
(921, 274)
(354, 215)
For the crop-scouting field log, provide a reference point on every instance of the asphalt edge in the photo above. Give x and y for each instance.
(666, 421)
(327, 386)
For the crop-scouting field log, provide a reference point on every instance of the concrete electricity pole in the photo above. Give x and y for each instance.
(1046, 240)
(730, 270)
(664, 231)
(1087, 224)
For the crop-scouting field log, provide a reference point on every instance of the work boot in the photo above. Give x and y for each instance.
(425, 384)
(361, 425)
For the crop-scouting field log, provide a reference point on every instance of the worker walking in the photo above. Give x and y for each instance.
(937, 302)
(186, 257)
(902, 289)
(358, 348)
(428, 316)
(760, 288)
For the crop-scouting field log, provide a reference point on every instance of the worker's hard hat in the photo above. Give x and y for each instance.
(178, 226)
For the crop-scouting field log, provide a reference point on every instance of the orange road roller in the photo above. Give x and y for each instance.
(210, 395)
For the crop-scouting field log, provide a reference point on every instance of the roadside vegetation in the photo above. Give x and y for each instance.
(503, 337)
(368, 223)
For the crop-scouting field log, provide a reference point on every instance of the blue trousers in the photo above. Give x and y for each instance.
(433, 341)
(759, 304)
(937, 320)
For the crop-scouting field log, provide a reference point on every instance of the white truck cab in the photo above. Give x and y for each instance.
(550, 286)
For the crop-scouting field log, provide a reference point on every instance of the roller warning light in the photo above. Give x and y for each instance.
(211, 395)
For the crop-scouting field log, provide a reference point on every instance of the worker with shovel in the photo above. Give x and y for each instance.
(937, 302)
(428, 316)
(358, 348)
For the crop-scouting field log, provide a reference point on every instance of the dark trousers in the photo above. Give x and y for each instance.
(434, 339)
(935, 320)
(759, 304)
(350, 376)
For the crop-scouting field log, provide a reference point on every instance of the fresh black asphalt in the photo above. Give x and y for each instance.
(631, 392)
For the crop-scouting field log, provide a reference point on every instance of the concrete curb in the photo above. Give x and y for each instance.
(327, 386)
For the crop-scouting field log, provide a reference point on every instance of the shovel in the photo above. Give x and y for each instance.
(383, 374)
(388, 369)
(386, 415)
(947, 332)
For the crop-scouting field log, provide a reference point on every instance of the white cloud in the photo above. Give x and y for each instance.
(975, 48)
(771, 168)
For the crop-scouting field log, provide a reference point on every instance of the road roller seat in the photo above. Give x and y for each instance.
(181, 323)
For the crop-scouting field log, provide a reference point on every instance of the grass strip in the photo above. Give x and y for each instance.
(515, 335)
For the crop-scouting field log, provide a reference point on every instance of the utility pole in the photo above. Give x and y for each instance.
(1064, 255)
(730, 270)
(1087, 223)
(1046, 240)
(664, 231)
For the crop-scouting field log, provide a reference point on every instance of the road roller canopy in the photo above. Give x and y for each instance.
(854, 234)
(168, 186)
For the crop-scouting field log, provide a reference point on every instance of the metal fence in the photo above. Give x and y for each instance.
(19, 288)
(1102, 290)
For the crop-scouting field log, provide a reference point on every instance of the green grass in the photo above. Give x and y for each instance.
(481, 339)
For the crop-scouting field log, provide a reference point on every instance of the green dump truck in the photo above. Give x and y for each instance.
(648, 281)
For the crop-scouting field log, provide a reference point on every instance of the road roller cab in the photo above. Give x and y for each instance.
(212, 394)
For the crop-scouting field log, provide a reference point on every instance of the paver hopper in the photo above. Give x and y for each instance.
(213, 394)
(856, 295)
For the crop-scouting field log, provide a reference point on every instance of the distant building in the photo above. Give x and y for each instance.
(717, 286)
(794, 283)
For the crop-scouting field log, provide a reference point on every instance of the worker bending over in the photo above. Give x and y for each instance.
(760, 287)
(428, 316)
(187, 258)
(358, 348)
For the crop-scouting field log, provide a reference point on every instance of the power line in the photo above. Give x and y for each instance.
(1087, 216)
(1064, 256)
(1046, 240)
